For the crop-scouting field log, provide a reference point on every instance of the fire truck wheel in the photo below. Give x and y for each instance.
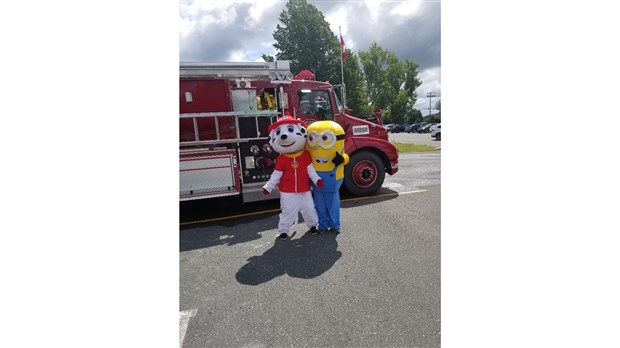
(364, 173)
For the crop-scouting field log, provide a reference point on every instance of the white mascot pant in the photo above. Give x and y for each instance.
(294, 203)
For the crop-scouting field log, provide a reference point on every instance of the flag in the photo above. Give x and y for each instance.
(344, 52)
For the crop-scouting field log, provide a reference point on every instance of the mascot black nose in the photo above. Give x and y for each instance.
(283, 136)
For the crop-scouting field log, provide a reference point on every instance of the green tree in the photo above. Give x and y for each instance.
(375, 64)
(437, 117)
(357, 98)
(391, 84)
(412, 82)
(400, 107)
(304, 38)
(415, 116)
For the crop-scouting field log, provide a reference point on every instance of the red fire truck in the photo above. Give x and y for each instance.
(226, 109)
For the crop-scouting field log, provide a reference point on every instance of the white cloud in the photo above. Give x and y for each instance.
(430, 83)
(244, 56)
(406, 9)
(210, 12)
(336, 19)
(430, 78)
(373, 7)
(197, 6)
(185, 26)
(257, 10)
(237, 56)
(224, 18)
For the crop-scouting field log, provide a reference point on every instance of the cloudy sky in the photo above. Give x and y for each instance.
(227, 30)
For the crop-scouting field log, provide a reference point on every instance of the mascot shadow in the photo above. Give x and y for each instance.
(306, 257)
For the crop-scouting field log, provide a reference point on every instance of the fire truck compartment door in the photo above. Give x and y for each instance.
(211, 175)
(244, 100)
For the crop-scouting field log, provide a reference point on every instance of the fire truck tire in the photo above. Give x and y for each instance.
(364, 173)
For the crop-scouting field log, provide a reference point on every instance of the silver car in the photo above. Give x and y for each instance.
(436, 132)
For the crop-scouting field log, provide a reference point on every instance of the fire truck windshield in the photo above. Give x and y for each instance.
(338, 103)
(315, 102)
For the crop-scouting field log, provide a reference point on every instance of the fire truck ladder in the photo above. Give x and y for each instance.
(270, 115)
(277, 72)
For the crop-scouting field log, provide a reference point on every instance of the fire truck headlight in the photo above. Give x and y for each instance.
(267, 148)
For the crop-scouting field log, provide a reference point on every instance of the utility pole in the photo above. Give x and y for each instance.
(430, 96)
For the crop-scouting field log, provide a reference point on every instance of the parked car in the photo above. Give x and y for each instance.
(412, 127)
(424, 128)
(436, 132)
(398, 128)
(388, 127)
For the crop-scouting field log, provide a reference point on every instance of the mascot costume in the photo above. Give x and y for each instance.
(326, 146)
(292, 174)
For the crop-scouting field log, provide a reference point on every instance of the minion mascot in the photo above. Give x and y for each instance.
(292, 174)
(326, 145)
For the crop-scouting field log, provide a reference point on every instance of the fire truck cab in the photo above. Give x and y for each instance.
(225, 109)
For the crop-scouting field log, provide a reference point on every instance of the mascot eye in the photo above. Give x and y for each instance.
(312, 140)
(291, 129)
(278, 131)
(328, 140)
(303, 130)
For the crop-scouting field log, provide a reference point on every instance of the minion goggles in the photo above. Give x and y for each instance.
(326, 139)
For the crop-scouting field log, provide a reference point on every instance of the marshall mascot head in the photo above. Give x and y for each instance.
(287, 135)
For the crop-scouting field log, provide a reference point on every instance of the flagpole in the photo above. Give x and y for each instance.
(344, 91)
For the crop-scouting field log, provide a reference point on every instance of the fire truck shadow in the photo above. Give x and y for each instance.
(347, 200)
(229, 232)
(306, 257)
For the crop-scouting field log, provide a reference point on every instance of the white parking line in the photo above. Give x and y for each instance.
(185, 316)
(389, 184)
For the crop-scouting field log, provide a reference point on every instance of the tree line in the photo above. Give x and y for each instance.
(375, 78)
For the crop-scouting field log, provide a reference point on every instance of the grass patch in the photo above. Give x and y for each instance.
(414, 147)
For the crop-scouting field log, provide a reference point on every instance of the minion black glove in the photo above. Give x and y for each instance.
(338, 160)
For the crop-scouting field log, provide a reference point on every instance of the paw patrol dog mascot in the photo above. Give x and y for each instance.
(326, 145)
(292, 174)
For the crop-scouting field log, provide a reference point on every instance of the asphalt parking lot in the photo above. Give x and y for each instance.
(414, 138)
(375, 284)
